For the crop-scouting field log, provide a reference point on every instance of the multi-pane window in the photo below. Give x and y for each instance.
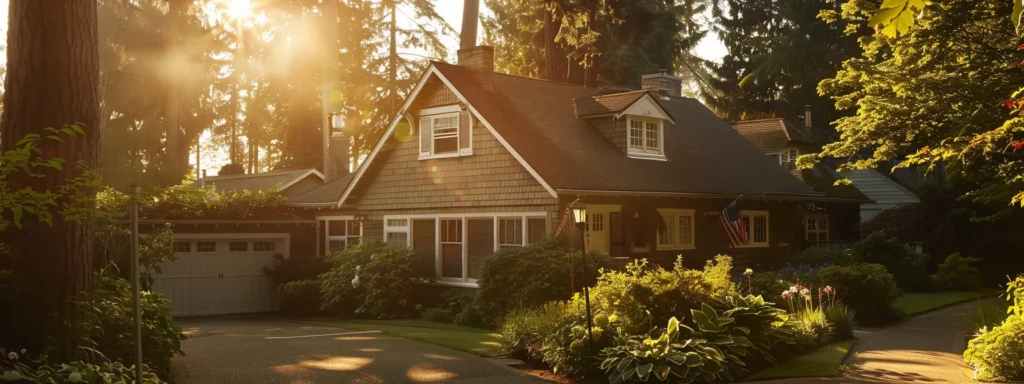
(206, 246)
(536, 230)
(756, 224)
(396, 232)
(451, 231)
(445, 132)
(182, 246)
(816, 227)
(645, 137)
(342, 234)
(453, 255)
(676, 231)
(238, 246)
(263, 246)
(510, 232)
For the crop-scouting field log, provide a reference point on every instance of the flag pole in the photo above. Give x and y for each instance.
(135, 281)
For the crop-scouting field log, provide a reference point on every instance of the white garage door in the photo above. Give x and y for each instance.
(222, 275)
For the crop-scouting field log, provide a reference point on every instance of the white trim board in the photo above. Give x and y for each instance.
(432, 70)
(298, 179)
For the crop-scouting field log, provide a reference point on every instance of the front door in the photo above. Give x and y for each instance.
(599, 227)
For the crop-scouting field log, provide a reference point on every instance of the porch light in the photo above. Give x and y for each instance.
(579, 212)
(337, 121)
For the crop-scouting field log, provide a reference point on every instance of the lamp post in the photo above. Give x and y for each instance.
(579, 213)
(337, 121)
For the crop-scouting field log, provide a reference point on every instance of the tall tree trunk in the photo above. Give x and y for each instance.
(52, 79)
(175, 18)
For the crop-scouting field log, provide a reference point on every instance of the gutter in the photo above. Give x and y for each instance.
(788, 196)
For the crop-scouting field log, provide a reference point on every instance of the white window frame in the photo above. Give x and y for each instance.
(749, 215)
(174, 246)
(232, 243)
(437, 113)
(786, 156)
(198, 250)
(498, 232)
(644, 151)
(406, 229)
(671, 216)
(327, 231)
(819, 218)
(465, 281)
(273, 246)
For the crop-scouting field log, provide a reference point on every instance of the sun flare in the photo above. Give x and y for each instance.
(239, 9)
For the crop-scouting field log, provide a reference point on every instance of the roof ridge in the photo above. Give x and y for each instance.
(619, 93)
(253, 175)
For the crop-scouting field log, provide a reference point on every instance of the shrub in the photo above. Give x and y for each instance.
(766, 284)
(376, 279)
(108, 325)
(295, 268)
(666, 358)
(758, 321)
(998, 353)
(645, 295)
(556, 335)
(300, 297)
(868, 289)
(842, 319)
(957, 273)
(910, 267)
(824, 255)
(811, 327)
(527, 277)
(21, 369)
(438, 315)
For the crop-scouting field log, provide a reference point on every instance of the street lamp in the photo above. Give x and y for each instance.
(579, 213)
(337, 121)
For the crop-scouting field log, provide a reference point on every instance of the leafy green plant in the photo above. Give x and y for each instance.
(997, 354)
(841, 317)
(830, 254)
(300, 297)
(763, 324)
(376, 279)
(20, 368)
(526, 277)
(108, 322)
(438, 315)
(666, 358)
(909, 266)
(868, 289)
(295, 268)
(957, 273)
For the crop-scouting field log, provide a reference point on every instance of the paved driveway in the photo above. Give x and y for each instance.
(259, 350)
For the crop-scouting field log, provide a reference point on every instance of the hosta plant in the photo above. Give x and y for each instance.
(666, 359)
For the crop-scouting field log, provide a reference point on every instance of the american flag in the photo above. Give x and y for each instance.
(732, 221)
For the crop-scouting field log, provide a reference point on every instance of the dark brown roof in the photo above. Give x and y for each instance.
(258, 181)
(770, 135)
(606, 104)
(537, 118)
(327, 193)
(823, 178)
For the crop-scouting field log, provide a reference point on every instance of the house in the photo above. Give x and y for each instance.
(477, 160)
(289, 182)
(783, 142)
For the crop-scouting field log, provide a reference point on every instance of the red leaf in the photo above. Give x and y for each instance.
(1009, 103)
(1020, 47)
(1018, 145)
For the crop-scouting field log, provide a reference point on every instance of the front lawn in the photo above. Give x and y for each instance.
(473, 340)
(918, 303)
(827, 361)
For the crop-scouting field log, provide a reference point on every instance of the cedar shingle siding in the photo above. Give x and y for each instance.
(612, 129)
(423, 239)
(481, 244)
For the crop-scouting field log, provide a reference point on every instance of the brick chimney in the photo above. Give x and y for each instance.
(662, 83)
(337, 157)
(479, 58)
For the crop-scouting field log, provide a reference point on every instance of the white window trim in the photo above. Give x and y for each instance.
(465, 281)
(406, 229)
(750, 234)
(443, 112)
(678, 245)
(642, 152)
(786, 156)
(818, 216)
(327, 230)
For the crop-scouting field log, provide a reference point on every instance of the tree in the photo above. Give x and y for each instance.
(583, 41)
(931, 97)
(778, 50)
(52, 80)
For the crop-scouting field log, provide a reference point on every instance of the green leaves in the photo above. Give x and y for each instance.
(895, 17)
(1018, 8)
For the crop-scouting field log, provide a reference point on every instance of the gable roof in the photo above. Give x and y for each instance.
(262, 181)
(538, 119)
(823, 179)
(770, 135)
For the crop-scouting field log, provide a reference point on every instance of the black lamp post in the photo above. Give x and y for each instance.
(579, 212)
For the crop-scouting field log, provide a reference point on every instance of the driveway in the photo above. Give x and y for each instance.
(263, 350)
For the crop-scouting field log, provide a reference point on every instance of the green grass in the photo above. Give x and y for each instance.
(918, 303)
(827, 361)
(473, 340)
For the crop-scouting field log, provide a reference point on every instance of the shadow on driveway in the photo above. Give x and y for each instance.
(267, 350)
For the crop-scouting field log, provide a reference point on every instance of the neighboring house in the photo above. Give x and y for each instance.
(783, 143)
(288, 183)
(484, 161)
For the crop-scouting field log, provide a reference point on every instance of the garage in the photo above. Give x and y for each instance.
(218, 274)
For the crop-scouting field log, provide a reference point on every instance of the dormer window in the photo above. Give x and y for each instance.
(646, 138)
(444, 132)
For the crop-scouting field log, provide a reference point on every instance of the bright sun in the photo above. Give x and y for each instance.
(239, 9)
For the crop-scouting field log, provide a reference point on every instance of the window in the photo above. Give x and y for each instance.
(238, 246)
(182, 247)
(816, 227)
(510, 232)
(445, 132)
(206, 246)
(396, 232)
(453, 255)
(677, 229)
(342, 233)
(785, 156)
(451, 231)
(536, 230)
(756, 224)
(645, 137)
(263, 246)
(776, 157)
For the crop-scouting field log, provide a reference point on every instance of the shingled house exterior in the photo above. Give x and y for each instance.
(478, 161)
